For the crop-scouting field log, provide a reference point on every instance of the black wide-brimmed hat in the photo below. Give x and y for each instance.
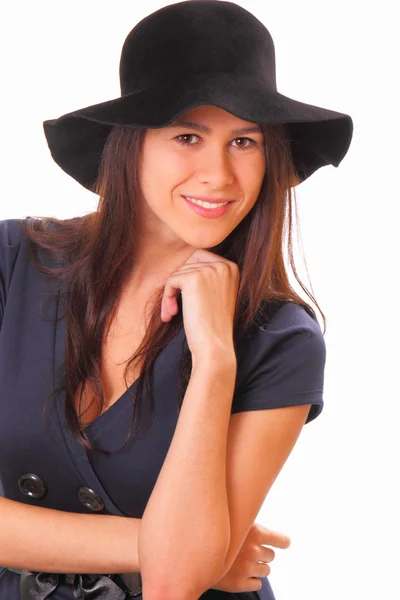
(189, 54)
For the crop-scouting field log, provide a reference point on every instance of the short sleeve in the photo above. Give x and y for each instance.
(282, 363)
(10, 236)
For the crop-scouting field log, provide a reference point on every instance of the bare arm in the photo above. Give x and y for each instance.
(54, 541)
(185, 530)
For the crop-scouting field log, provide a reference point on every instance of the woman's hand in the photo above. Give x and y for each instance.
(209, 285)
(245, 573)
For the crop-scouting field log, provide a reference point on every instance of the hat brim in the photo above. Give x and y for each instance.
(317, 136)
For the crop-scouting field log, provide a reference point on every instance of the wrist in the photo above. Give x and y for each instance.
(215, 360)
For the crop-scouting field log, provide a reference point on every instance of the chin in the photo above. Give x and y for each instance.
(205, 244)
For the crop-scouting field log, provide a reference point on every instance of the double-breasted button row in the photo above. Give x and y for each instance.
(33, 486)
(90, 499)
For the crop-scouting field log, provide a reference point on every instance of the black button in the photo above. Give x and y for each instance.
(32, 485)
(90, 499)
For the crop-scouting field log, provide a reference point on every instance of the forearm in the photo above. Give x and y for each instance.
(53, 541)
(185, 529)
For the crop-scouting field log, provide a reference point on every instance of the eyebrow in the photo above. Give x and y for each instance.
(205, 129)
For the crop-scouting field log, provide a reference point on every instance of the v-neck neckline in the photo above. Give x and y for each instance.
(116, 406)
(78, 455)
(94, 428)
(61, 338)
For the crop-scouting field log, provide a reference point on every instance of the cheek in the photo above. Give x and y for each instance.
(173, 166)
(165, 170)
(252, 175)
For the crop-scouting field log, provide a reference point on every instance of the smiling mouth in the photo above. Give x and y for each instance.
(212, 204)
(211, 212)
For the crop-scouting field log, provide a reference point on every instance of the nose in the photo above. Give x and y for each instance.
(215, 167)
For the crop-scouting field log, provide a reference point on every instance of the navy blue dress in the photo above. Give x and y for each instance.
(281, 364)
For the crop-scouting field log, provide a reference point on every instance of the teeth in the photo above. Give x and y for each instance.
(205, 204)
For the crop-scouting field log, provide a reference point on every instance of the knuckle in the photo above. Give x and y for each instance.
(237, 582)
(265, 554)
(272, 553)
(269, 554)
(257, 531)
(197, 275)
(226, 265)
(266, 569)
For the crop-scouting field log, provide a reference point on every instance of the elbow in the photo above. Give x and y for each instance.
(189, 584)
(185, 573)
(192, 587)
(165, 594)
(178, 591)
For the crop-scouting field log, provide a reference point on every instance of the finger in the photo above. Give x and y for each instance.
(274, 538)
(173, 307)
(169, 309)
(261, 569)
(201, 255)
(194, 266)
(278, 541)
(171, 292)
(169, 301)
(266, 555)
(253, 584)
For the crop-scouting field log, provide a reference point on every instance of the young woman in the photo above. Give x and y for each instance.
(171, 299)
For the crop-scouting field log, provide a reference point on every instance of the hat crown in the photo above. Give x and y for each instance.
(195, 39)
(193, 53)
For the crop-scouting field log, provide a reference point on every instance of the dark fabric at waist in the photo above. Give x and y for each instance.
(116, 586)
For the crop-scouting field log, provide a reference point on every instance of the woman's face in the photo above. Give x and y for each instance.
(217, 162)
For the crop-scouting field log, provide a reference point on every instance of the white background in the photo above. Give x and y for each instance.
(337, 496)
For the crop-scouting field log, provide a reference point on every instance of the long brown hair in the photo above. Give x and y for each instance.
(97, 257)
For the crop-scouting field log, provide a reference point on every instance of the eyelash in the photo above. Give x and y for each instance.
(253, 142)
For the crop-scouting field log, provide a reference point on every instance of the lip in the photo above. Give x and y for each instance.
(210, 200)
(208, 213)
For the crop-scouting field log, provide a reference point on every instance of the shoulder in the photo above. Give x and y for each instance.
(14, 247)
(287, 315)
(10, 243)
(282, 361)
(11, 240)
(281, 325)
(10, 232)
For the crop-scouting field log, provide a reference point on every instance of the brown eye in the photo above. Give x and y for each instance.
(242, 147)
(180, 139)
(185, 135)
